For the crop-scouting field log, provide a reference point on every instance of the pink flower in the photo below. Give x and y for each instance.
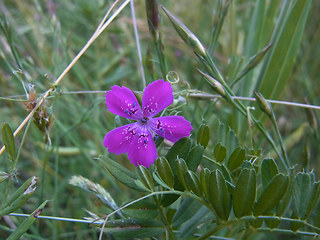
(136, 138)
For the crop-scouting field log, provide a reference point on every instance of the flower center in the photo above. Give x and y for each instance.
(144, 120)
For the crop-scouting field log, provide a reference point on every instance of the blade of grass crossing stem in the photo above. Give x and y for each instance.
(286, 38)
(26, 224)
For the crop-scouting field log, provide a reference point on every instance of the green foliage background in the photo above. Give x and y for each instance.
(40, 38)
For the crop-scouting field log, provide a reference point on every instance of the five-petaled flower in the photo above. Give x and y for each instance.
(136, 138)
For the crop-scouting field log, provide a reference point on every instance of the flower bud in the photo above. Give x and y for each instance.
(214, 83)
(186, 35)
(263, 104)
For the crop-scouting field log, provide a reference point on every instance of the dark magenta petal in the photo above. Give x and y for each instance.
(142, 150)
(156, 97)
(118, 140)
(121, 101)
(171, 127)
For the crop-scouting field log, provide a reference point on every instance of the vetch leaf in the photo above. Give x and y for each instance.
(181, 169)
(193, 183)
(165, 171)
(180, 149)
(285, 201)
(203, 135)
(272, 194)
(244, 193)
(268, 170)
(145, 177)
(161, 183)
(204, 180)
(305, 194)
(220, 152)
(218, 195)
(194, 157)
(236, 158)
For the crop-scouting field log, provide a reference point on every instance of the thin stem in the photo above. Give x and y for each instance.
(163, 216)
(166, 223)
(196, 94)
(137, 42)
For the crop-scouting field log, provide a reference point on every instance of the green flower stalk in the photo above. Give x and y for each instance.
(187, 36)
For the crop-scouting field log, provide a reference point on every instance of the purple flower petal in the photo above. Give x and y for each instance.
(171, 127)
(118, 140)
(156, 97)
(121, 101)
(142, 150)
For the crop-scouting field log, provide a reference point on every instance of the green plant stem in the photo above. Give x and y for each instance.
(166, 223)
(163, 217)
(188, 194)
